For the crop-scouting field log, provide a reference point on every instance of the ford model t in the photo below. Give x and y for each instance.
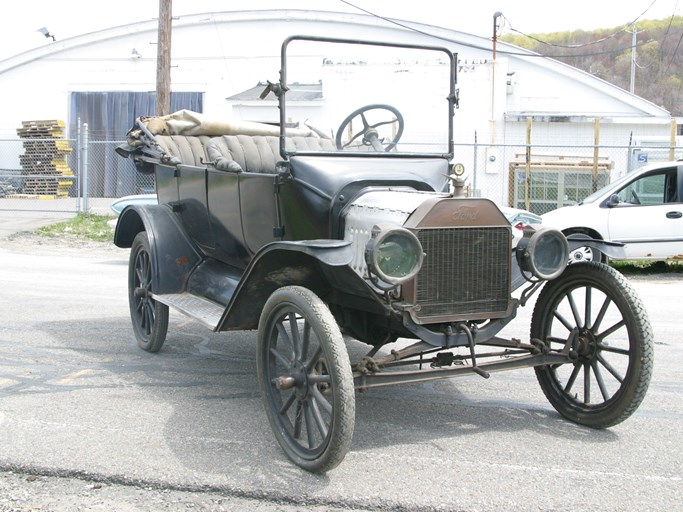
(351, 224)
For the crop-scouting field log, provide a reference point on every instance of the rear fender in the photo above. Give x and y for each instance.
(322, 266)
(173, 254)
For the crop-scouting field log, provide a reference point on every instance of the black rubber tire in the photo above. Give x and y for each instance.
(149, 317)
(612, 345)
(298, 339)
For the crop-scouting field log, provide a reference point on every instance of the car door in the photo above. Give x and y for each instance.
(223, 192)
(649, 215)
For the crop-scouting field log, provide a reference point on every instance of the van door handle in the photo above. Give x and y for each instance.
(674, 215)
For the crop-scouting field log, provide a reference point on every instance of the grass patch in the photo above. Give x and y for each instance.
(89, 226)
(648, 267)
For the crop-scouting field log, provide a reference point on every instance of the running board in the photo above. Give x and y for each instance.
(203, 310)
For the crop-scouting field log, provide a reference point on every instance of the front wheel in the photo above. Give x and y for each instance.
(149, 317)
(305, 378)
(592, 313)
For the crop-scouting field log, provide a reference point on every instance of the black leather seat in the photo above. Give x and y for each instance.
(256, 153)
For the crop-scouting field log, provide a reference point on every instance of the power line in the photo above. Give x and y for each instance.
(486, 48)
(572, 46)
(673, 55)
(590, 43)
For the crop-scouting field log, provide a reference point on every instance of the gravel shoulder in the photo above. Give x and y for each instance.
(33, 243)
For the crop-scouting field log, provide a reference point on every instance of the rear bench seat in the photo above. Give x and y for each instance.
(190, 150)
(249, 153)
(257, 153)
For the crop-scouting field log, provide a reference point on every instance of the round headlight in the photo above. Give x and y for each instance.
(394, 255)
(545, 253)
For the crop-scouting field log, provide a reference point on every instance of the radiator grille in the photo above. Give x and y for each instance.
(466, 273)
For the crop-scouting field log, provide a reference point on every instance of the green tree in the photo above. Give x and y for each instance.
(606, 53)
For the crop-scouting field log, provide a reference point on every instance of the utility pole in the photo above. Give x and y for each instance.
(496, 28)
(634, 35)
(164, 59)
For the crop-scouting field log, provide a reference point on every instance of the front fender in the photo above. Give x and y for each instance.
(173, 254)
(322, 266)
(613, 250)
(610, 249)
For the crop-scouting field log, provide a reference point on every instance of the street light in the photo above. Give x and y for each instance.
(46, 33)
(496, 28)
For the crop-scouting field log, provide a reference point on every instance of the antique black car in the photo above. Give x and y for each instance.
(317, 238)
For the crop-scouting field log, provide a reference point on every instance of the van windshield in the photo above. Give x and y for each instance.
(601, 192)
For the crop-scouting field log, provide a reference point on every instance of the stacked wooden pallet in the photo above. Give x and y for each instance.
(44, 162)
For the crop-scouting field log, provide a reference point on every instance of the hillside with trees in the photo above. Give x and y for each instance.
(606, 53)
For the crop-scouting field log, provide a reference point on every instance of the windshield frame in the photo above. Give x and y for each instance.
(452, 98)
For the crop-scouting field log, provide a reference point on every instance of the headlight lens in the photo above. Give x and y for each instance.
(394, 255)
(544, 252)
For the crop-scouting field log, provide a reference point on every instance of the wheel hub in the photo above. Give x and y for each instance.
(586, 344)
(297, 379)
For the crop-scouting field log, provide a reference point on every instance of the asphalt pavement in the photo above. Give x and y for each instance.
(80, 402)
(12, 222)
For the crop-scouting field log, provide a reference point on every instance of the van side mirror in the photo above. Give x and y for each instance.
(613, 201)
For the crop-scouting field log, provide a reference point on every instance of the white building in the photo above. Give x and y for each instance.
(107, 78)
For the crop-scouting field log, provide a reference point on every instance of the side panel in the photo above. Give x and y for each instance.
(259, 209)
(166, 183)
(305, 211)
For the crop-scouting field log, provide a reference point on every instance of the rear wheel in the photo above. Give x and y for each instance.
(149, 317)
(592, 311)
(305, 378)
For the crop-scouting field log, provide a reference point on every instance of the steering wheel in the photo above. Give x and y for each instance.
(635, 196)
(369, 134)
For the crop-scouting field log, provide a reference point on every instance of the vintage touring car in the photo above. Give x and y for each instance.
(317, 238)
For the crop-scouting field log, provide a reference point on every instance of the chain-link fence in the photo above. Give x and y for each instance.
(541, 178)
(38, 173)
(58, 174)
(42, 171)
(110, 175)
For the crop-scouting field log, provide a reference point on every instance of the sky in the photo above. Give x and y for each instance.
(20, 21)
